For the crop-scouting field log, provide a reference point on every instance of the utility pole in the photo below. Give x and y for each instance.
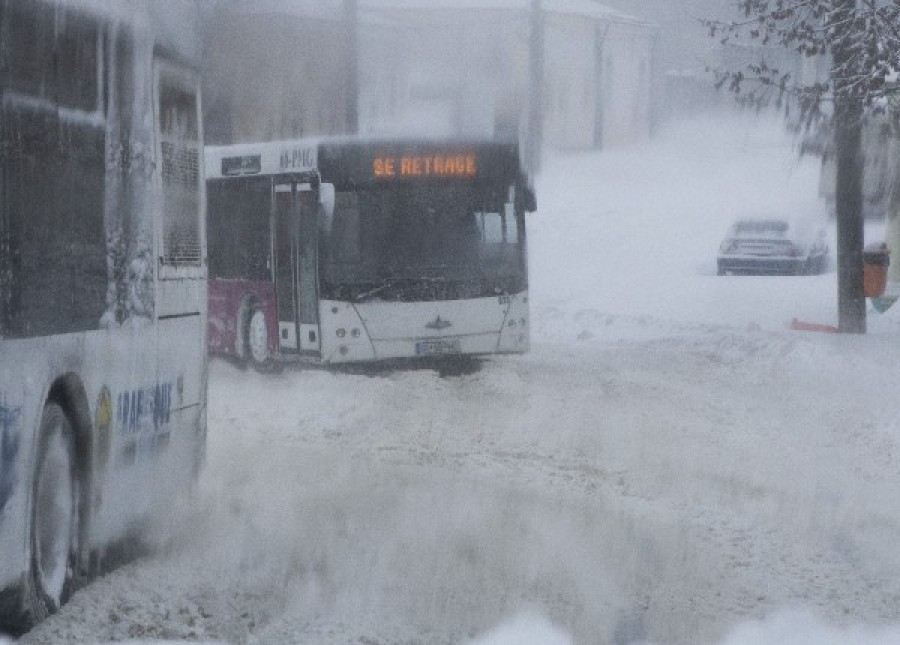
(351, 66)
(848, 117)
(535, 136)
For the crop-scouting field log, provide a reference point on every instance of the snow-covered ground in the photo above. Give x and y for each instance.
(670, 464)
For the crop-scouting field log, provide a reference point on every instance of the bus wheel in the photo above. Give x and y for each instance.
(54, 513)
(258, 339)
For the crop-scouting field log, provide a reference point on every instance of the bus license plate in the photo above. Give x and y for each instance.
(434, 347)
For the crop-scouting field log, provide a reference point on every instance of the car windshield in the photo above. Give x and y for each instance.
(761, 227)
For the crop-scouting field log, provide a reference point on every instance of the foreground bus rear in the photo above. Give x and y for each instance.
(102, 285)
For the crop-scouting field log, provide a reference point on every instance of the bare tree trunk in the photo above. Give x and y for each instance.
(849, 186)
(848, 202)
(892, 232)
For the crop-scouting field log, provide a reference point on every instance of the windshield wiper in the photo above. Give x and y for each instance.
(387, 283)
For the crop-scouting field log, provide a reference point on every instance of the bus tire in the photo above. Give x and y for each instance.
(257, 339)
(54, 519)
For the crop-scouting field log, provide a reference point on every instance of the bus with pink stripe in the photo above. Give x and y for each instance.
(345, 250)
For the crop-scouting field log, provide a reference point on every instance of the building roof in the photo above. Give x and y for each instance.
(307, 8)
(590, 8)
(334, 8)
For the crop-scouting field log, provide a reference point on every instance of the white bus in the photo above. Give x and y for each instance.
(102, 284)
(351, 251)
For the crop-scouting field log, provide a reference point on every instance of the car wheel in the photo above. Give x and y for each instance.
(54, 518)
(257, 335)
(814, 266)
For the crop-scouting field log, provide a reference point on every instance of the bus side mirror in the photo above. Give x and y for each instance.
(326, 204)
(529, 201)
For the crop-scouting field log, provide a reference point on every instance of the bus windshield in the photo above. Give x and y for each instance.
(423, 242)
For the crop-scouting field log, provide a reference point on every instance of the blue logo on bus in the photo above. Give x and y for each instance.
(9, 450)
(139, 409)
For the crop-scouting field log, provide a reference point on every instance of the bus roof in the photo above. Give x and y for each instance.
(354, 161)
(267, 158)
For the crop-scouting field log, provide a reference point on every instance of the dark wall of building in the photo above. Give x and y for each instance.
(270, 76)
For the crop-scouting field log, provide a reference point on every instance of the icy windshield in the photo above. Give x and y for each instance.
(397, 240)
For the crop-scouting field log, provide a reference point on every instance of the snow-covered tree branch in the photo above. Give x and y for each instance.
(860, 41)
(861, 38)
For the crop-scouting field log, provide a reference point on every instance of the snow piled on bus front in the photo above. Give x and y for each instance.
(130, 288)
(793, 626)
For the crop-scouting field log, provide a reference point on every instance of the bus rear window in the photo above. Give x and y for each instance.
(54, 56)
(77, 69)
(29, 48)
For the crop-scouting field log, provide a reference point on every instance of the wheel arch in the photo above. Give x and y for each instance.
(69, 393)
(248, 303)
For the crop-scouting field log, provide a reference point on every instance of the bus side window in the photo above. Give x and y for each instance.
(77, 57)
(239, 241)
(53, 55)
(29, 48)
(180, 149)
(53, 253)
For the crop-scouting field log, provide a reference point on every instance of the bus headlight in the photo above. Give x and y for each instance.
(341, 332)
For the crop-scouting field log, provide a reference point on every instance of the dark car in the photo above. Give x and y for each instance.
(772, 245)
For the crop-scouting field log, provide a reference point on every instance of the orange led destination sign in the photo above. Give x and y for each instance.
(411, 166)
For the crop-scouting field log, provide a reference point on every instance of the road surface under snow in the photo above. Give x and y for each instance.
(670, 464)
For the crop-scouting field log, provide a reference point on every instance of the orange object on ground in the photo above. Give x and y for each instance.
(799, 325)
(874, 280)
(876, 259)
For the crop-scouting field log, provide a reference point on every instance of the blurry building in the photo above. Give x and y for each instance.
(275, 69)
(464, 68)
(289, 68)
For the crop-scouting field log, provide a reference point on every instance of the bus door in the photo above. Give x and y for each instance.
(285, 266)
(307, 203)
(296, 209)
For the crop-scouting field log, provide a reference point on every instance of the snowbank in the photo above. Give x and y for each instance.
(802, 627)
(525, 629)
